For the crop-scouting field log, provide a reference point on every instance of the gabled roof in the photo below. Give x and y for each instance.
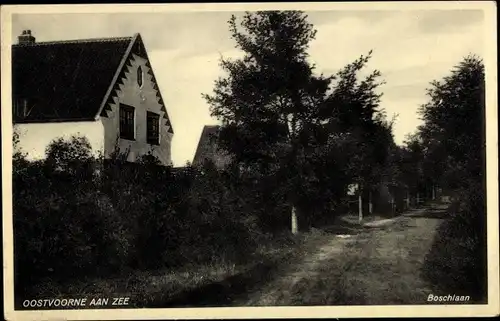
(206, 144)
(71, 80)
(208, 148)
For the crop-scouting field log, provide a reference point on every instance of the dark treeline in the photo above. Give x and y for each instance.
(314, 135)
(452, 153)
(297, 141)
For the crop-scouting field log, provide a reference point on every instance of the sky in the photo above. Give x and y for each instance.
(410, 48)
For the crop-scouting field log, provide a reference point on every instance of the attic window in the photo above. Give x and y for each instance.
(139, 76)
(127, 122)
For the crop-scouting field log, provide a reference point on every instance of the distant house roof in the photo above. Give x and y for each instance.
(70, 80)
(208, 148)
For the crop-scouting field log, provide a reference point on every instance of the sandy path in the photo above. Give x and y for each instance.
(379, 266)
(279, 292)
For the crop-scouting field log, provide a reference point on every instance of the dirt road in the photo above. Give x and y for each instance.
(381, 265)
(377, 264)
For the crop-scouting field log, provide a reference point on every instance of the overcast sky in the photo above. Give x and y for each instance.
(410, 48)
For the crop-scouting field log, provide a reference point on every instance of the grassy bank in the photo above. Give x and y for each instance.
(146, 287)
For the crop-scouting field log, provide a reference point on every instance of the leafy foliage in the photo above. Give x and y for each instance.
(78, 215)
(62, 222)
(453, 141)
(292, 126)
(453, 133)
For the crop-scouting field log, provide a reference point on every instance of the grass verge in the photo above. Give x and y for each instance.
(147, 287)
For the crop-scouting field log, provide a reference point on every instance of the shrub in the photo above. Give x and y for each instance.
(78, 215)
(457, 259)
(63, 224)
(216, 212)
(190, 216)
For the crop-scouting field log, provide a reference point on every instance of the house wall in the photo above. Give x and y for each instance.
(211, 151)
(35, 137)
(208, 148)
(142, 99)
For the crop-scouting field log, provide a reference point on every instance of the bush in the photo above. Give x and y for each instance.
(76, 215)
(63, 224)
(457, 259)
(215, 215)
(187, 216)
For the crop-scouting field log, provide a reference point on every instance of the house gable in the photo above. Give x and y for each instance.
(208, 148)
(135, 50)
(143, 97)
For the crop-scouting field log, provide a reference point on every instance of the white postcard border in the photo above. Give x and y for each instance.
(490, 309)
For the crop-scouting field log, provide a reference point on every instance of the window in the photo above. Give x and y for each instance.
(153, 128)
(127, 123)
(139, 76)
(21, 108)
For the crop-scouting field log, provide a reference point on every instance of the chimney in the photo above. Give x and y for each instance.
(26, 38)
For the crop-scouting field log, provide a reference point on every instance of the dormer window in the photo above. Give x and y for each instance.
(140, 76)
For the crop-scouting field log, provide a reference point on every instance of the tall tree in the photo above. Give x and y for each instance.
(354, 105)
(282, 120)
(360, 125)
(268, 103)
(454, 140)
(453, 132)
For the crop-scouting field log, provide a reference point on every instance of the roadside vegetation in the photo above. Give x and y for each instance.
(453, 138)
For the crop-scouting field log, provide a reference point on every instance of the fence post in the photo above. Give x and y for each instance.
(418, 199)
(407, 199)
(433, 192)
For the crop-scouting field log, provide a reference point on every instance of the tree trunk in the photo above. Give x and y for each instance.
(433, 192)
(295, 227)
(370, 204)
(408, 199)
(418, 199)
(291, 122)
(360, 205)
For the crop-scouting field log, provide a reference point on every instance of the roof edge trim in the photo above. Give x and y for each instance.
(115, 77)
(158, 85)
(74, 41)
